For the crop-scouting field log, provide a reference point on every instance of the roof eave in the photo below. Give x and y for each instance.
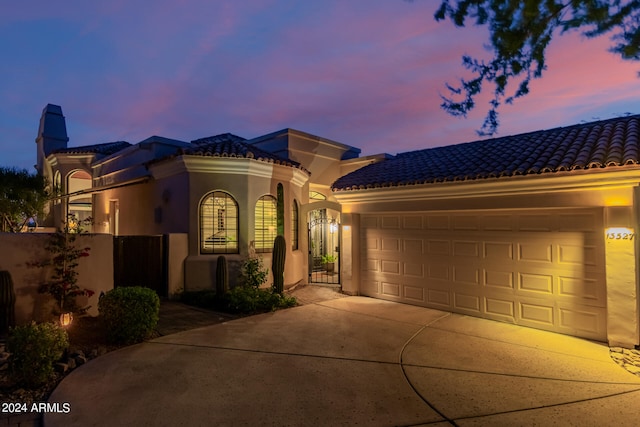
(621, 176)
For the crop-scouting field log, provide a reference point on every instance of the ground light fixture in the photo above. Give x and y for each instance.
(66, 319)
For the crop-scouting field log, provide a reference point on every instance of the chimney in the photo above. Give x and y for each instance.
(52, 134)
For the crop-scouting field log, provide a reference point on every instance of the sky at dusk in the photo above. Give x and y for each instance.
(367, 73)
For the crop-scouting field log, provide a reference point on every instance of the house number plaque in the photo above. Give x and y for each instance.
(621, 236)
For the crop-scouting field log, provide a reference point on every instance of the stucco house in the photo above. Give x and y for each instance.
(537, 229)
(216, 195)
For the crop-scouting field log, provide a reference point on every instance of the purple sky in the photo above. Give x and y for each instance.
(367, 73)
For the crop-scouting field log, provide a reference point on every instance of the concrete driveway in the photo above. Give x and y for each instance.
(353, 361)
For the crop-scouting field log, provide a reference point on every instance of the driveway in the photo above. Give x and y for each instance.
(353, 361)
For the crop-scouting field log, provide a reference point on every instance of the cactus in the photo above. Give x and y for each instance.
(277, 263)
(7, 302)
(222, 278)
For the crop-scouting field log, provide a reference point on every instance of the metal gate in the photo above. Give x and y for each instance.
(324, 249)
(141, 261)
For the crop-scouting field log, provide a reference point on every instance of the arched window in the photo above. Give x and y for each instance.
(266, 223)
(314, 195)
(219, 224)
(57, 186)
(80, 205)
(294, 225)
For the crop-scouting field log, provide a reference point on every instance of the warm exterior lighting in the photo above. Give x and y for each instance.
(66, 319)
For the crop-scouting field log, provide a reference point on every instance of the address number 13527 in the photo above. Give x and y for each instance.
(621, 236)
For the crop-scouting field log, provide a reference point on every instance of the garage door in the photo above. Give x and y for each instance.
(543, 269)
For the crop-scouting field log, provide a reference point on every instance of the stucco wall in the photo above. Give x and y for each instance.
(17, 251)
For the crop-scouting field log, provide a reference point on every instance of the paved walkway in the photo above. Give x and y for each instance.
(353, 361)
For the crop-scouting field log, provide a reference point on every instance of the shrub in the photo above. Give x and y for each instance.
(65, 257)
(129, 314)
(205, 299)
(34, 348)
(253, 272)
(248, 299)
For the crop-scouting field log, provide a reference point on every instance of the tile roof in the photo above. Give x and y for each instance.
(601, 144)
(230, 145)
(106, 148)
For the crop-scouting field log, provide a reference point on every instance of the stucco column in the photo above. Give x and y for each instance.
(350, 254)
(621, 275)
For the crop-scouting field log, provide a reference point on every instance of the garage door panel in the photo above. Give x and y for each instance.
(499, 279)
(413, 222)
(587, 323)
(415, 246)
(502, 309)
(389, 266)
(438, 271)
(390, 289)
(467, 303)
(536, 314)
(390, 222)
(498, 251)
(584, 289)
(390, 244)
(371, 243)
(513, 266)
(578, 255)
(498, 222)
(535, 252)
(439, 298)
(416, 270)
(414, 293)
(438, 247)
(467, 248)
(438, 222)
(371, 264)
(535, 283)
(466, 275)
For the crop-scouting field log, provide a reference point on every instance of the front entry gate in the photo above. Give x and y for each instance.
(141, 261)
(324, 249)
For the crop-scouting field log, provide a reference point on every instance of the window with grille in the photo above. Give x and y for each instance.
(218, 224)
(266, 223)
(294, 225)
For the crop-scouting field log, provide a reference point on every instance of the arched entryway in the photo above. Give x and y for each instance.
(79, 203)
(324, 246)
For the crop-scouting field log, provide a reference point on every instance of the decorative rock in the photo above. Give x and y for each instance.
(71, 363)
(80, 360)
(62, 367)
(617, 357)
(629, 359)
(632, 368)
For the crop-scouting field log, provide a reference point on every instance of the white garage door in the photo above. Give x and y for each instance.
(543, 269)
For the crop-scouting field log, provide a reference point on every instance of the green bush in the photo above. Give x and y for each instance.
(204, 299)
(248, 299)
(34, 348)
(129, 314)
(253, 272)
